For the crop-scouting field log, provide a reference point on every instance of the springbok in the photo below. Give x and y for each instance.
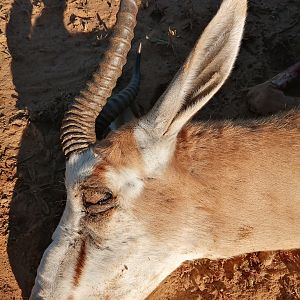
(160, 191)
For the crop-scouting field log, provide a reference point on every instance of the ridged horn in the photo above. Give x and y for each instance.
(78, 126)
(118, 103)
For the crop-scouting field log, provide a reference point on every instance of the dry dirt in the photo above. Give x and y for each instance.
(48, 50)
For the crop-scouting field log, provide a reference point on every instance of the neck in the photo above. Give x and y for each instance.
(222, 196)
(248, 204)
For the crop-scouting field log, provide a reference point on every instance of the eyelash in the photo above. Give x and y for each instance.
(107, 196)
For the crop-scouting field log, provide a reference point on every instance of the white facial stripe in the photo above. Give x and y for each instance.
(126, 183)
(67, 232)
(130, 265)
(156, 153)
(80, 166)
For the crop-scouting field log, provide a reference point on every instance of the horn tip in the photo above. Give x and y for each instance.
(139, 48)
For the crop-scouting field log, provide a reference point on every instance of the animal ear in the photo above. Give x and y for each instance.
(204, 72)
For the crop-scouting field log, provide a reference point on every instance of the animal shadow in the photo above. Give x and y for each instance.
(50, 65)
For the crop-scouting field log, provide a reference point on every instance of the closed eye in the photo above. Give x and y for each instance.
(106, 198)
(96, 197)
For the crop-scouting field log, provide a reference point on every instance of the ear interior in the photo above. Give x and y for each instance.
(204, 72)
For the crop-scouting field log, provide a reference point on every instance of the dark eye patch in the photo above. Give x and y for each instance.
(107, 196)
(97, 200)
(95, 196)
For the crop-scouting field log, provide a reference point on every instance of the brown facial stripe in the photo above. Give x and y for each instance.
(79, 264)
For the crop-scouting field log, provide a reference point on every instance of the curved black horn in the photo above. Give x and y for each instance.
(117, 103)
(78, 127)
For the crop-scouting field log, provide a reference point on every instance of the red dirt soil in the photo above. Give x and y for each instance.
(48, 51)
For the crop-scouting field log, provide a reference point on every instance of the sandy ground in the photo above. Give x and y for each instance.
(48, 50)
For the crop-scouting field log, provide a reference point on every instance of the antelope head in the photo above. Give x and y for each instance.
(119, 235)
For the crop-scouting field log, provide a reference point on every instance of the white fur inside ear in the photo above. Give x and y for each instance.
(156, 153)
(126, 182)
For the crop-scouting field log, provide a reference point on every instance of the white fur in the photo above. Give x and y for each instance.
(79, 166)
(156, 153)
(48, 282)
(126, 183)
(129, 264)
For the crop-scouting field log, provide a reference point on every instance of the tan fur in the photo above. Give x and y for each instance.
(237, 183)
(118, 150)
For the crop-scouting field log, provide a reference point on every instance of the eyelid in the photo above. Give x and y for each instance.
(106, 197)
(96, 196)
